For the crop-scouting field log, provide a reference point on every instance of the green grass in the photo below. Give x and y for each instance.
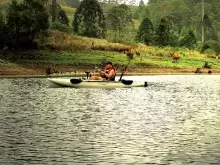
(71, 50)
(90, 59)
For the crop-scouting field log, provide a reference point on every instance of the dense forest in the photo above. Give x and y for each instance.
(193, 24)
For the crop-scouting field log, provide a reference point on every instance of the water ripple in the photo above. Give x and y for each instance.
(172, 121)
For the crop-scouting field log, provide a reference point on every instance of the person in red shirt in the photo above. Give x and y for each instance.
(108, 73)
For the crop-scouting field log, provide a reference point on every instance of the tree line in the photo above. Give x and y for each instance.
(186, 18)
(22, 22)
(162, 22)
(117, 24)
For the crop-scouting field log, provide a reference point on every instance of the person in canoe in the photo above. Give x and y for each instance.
(108, 73)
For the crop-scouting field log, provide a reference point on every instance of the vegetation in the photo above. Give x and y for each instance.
(119, 22)
(70, 3)
(23, 22)
(189, 40)
(153, 32)
(145, 32)
(89, 19)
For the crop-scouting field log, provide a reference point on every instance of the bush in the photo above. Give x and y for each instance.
(211, 44)
(209, 51)
(61, 27)
(189, 40)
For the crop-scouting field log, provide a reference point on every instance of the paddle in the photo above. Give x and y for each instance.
(122, 73)
(87, 74)
(75, 81)
(124, 70)
(127, 82)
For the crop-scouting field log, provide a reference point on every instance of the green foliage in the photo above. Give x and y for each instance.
(58, 14)
(162, 33)
(61, 27)
(141, 4)
(2, 27)
(89, 19)
(189, 40)
(187, 14)
(14, 14)
(119, 22)
(54, 11)
(210, 52)
(24, 21)
(14, 24)
(145, 32)
(2, 21)
(209, 30)
(35, 16)
(211, 44)
(62, 17)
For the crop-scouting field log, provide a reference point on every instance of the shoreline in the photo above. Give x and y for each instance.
(63, 71)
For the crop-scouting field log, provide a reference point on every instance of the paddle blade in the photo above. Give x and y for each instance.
(75, 81)
(127, 82)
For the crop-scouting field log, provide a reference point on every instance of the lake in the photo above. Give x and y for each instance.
(175, 120)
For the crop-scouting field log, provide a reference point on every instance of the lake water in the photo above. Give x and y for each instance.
(175, 120)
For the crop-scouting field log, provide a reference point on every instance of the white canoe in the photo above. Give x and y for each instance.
(78, 83)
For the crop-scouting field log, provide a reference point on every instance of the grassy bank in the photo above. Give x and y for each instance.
(65, 52)
(97, 58)
(63, 61)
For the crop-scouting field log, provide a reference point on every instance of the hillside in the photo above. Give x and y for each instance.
(67, 53)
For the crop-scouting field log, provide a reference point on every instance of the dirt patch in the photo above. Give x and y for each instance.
(41, 70)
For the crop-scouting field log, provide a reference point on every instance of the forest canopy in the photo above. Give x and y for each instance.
(184, 23)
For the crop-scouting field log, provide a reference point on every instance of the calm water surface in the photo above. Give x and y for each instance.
(175, 120)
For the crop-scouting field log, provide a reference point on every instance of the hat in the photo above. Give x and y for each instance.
(110, 63)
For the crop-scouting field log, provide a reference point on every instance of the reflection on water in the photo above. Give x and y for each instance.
(175, 120)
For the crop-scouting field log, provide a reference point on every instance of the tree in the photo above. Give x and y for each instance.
(211, 44)
(89, 19)
(54, 12)
(141, 4)
(141, 12)
(2, 27)
(34, 16)
(189, 40)
(145, 31)
(14, 23)
(209, 33)
(62, 18)
(26, 20)
(119, 20)
(162, 33)
(2, 22)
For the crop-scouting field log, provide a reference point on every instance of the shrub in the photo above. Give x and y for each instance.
(209, 51)
(188, 40)
(211, 44)
(61, 27)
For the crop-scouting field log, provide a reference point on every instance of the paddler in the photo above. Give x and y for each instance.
(108, 73)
